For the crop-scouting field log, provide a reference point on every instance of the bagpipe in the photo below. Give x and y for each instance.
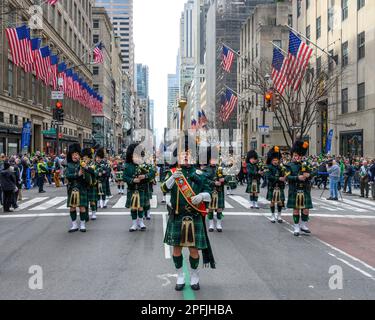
(219, 175)
(306, 168)
(140, 170)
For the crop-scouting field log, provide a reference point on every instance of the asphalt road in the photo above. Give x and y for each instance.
(255, 259)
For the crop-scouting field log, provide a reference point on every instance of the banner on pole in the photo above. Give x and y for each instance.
(329, 142)
(26, 135)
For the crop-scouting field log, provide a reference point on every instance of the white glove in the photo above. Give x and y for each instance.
(197, 199)
(171, 181)
(177, 174)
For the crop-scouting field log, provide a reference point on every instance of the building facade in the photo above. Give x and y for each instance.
(344, 29)
(66, 29)
(173, 94)
(266, 25)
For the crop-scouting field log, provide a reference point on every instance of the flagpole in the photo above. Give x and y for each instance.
(276, 46)
(314, 44)
(236, 93)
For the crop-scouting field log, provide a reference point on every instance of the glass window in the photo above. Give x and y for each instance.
(361, 45)
(10, 78)
(344, 101)
(345, 10)
(345, 54)
(361, 96)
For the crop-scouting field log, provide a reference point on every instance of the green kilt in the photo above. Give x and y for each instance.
(221, 200)
(143, 196)
(270, 194)
(248, 188)
(292, 195)
(83, 198)
(104, 187)
(173, 232)
(92, 193)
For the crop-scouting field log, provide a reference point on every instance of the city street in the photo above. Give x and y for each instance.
(255, 259)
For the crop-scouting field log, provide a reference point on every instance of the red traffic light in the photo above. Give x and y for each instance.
(59, 105)
(60, 135)
(268, 96)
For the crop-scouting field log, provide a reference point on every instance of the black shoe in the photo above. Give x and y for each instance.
(219, 230)
(179, 287)
(82, 230)
(195, 287)
(43, 191)
(330, 198)
(143, 229)
(306, 231)
(148, 218)
(280, 221)
(296, 234)
(335, 199)
(73, 230)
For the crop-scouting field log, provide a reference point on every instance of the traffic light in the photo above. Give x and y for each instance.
(59, 112)
(268, 97)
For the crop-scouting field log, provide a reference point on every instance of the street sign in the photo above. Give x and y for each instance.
(264, 130)
(57, 95)
(50, 131)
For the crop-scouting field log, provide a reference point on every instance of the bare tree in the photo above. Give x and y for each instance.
(297, 111)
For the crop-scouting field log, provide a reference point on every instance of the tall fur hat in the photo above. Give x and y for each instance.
(300, 147)
(73, 148)
(252, 154)
(87, 152)
(129, 152)
(100, 153)
(274, 153)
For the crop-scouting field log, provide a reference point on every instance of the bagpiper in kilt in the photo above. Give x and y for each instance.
(299, 195)
(137, 177)
(101, 171)
(92, 192)
(150, 190)
(254, 173)
(78, 181)
(108, 166)
(186, 227)
(275, 174)
(118, 169)
(216, 180)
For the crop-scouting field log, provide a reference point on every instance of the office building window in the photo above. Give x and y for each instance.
(345, 10)
(345, 54)
(318, 27)
(344, 101)
(95, 24)
(361, 96)
(361, 3)
(361, 45)
(95, 71)
(10, 78)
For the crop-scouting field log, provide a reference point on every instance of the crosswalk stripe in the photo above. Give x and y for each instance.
(372, 203)
(49, 204)
(371, 208)
(168, 198)
(31, 202)
(228, 205)
(345, 206)
(120, 204)
(242, 201)
(154, 202)
(325, 205)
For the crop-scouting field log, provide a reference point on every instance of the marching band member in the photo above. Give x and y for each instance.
(78, 181)
(214, 173)
(89, 165)
(254, 173)
(102, 172)
(108, 170)
(186, 223)
(137, 178)
(299, 194)
(276, 183)
(119, 175)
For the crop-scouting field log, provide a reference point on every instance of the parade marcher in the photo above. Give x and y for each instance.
(78, 182)
(8, 186)
(216, 180)
(108, 177)
(276, 183)
(102, 172)
(186, 223)
(149, 190)
(89, 166)
(137, 178)
(299, 193)
(364, 179)
(119, 175)
(254, 173)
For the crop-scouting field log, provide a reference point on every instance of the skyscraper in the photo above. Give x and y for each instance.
(121, 15)
(142, 76)
(173, 93)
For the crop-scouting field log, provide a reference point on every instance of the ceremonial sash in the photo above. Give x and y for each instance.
(188, 192)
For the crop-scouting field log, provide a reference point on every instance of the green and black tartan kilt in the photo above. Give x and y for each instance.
(248, 188)
(143, 196)
(221, 200)
(270, 194)
(173, 232)
(104, 187)
(292, 195)
(83, 198)
(92, 193)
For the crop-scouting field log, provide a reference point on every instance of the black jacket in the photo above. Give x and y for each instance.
(7, 180)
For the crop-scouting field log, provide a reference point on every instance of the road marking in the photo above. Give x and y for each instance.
(31, 202)
(120, 204)
(345, 206)
(365, 201)
(353, 267)
(49, 204)
(243, 202)
(154, 202)
(165, 278)
(167, 249)
(226, 213)
(228, 205)
(324, 205)
(360, 205)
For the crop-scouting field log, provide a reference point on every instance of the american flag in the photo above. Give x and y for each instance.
(53, 74)
(98, 53)
(43, 64)
(228, 58)
(20, 45)
(194, 124)
(298, 59)
(35, 45)
(52, 2)
(229, 102)
(279, 67)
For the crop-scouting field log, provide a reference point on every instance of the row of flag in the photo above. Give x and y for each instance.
(290, 70)
(28, 54)
(202, 121)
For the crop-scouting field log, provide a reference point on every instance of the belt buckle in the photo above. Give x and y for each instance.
(188, 208)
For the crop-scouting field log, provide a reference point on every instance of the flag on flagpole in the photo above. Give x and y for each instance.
(20, 45)
(298, 58)
(229, 102)
(35, 45)
(43, 63)
(194, 124)
(53, 74)
(279, 66)
(228, 58)
(98, 54)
